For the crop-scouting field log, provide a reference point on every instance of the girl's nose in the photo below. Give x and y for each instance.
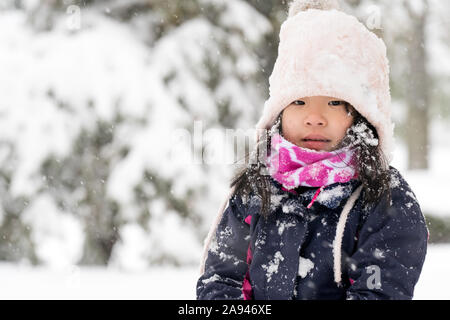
(315, 119)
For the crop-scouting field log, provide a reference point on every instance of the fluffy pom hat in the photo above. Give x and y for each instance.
(326, 52)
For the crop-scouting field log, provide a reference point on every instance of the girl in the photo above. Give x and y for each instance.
(318, 213)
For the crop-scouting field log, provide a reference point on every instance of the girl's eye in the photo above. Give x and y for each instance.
(299, 102)
(335, 103)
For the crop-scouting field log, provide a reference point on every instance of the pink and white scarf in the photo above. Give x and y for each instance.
(294, 166)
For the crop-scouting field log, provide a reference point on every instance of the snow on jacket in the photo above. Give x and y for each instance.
(334, 250)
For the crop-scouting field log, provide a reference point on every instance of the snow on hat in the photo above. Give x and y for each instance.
(326, 52)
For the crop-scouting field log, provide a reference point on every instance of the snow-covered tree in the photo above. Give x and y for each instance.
(92, 114)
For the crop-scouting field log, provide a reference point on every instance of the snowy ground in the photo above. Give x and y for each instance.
(434, 282)
(20, 282)
(166, 283)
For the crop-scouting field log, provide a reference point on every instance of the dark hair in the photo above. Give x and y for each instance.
(372, 166)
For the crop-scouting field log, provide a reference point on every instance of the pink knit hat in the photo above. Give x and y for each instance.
(326, 52)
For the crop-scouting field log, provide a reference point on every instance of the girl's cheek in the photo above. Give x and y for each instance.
(346, 120)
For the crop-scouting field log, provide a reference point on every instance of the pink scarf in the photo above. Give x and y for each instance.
(293, 166)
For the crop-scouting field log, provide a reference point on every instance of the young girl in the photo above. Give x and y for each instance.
(318, 213)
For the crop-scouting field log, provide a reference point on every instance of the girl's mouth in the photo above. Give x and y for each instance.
(316, 144)
(318, 140)
(316, 137)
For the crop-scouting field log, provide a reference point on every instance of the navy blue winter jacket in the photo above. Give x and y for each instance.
(297, 253)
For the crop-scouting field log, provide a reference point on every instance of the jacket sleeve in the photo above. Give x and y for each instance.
(225, 265)
(391, 249)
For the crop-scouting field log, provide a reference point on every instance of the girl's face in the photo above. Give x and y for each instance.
(317, 123)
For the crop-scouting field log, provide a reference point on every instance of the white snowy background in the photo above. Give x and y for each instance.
(98, 104)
